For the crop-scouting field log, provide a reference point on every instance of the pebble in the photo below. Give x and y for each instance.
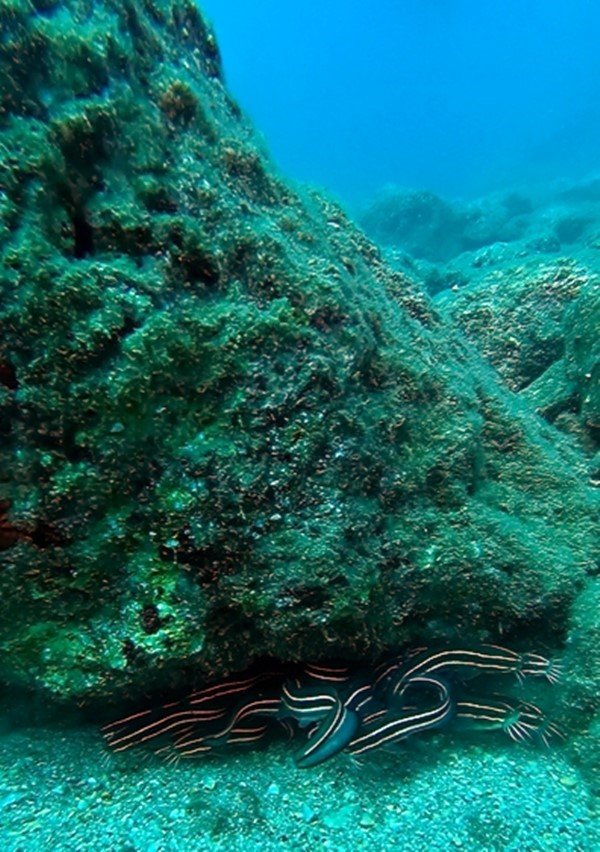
(308, 814)
(340, 818)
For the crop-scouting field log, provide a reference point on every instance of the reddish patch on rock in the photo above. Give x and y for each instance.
(9, 533)
(8, 375)
(151, 621)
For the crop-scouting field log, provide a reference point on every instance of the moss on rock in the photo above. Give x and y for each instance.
(538, 326)
(228, 428)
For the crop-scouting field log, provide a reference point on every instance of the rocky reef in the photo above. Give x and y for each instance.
(229, 428)
(524, 223)
(519, 274)
(538, 325)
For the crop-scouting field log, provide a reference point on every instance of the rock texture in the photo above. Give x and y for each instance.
(228, 428)
(506, 226)
(538, 325)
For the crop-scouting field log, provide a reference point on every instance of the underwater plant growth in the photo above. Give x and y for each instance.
(230, 429)
(237, 432)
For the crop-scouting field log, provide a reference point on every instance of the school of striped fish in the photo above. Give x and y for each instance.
(333, 708)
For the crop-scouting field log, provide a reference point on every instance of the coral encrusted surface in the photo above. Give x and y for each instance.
(228, 429)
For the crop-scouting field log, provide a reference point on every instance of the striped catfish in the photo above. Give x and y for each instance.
(519, 719)
(464, 663)
(331, 699)
(203, 711)
(243, 725)
(394, 726)
(342, 722)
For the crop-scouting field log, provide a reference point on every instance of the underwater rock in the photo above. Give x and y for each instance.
(579, 694)
(447, 244)
(582, 355)
(538, 325)
(432, 229)
(228, 428)
(419, 222)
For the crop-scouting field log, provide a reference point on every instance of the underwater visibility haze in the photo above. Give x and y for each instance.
(299, 420)
(459, 97)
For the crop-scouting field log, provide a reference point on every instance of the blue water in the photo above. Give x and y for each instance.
(456, 96)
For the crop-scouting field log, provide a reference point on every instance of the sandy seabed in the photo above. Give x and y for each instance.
(60, 790)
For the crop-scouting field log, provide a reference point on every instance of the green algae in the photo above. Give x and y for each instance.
(537, 324)
(228, 428)
(582, 354)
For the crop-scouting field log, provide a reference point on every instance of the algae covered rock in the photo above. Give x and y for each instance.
(538, 325)
(578, 696)
(228, 428)
(448, 245)
(419, 222)
(582, 355)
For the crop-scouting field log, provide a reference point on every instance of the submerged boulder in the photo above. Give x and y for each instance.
(538, 325)
(417, 221)
(228, 428)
